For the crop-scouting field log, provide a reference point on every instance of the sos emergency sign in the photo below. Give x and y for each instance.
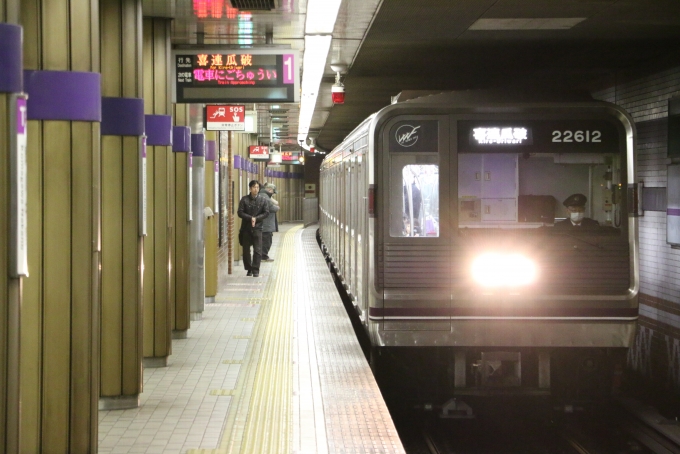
(225, 118)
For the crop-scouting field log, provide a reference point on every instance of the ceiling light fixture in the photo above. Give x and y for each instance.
(313, 63)
(321, 16)
(319, 25)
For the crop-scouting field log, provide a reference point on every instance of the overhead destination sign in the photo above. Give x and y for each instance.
(229, 76)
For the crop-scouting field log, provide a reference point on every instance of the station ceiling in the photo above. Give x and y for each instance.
(391, 46)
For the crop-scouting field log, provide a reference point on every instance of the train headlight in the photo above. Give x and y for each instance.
(503, 270)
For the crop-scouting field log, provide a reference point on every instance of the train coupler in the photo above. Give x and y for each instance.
(456, 409)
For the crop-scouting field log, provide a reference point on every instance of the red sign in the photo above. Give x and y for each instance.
(259, 152)
(225, 118)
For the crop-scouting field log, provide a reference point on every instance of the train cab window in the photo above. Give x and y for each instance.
(528, 190)
(414, 201)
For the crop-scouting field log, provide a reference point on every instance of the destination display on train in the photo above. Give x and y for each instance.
(535, 136)
(232, 76)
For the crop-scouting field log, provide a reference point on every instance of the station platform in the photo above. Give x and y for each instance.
(274, 366)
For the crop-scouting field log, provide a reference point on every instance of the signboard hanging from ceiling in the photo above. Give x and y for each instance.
(225, 118)
(259, 152)
(212, 75)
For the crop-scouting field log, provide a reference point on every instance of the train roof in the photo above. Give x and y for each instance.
(468, 97)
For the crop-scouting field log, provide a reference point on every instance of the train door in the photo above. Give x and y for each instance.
(414, 263)
(362, 210)
(346, 253)
(351, 276)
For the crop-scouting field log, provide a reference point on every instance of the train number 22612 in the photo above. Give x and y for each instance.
(576, 136)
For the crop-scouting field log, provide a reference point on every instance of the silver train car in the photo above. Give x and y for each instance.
(443, 219)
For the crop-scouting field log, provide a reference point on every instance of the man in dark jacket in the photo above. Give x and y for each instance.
(269, 224)
(576, 208)
(252, 209)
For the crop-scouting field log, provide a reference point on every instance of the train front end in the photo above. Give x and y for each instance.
(505, 243)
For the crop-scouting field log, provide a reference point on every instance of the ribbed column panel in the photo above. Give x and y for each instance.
(122, 239)
(60, 318)
(160, 177)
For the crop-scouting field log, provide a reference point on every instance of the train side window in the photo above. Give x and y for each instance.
(414, 200)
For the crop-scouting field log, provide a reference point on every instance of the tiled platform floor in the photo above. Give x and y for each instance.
(200, 403)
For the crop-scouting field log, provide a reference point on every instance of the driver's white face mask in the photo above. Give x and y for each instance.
(576, 217)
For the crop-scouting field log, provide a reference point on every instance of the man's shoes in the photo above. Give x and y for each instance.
(249, 273)
(267, 260)
(265, 257)
(256, 274)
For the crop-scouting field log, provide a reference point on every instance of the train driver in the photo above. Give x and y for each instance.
(576, 207)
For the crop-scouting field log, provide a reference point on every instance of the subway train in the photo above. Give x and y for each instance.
(443, 219)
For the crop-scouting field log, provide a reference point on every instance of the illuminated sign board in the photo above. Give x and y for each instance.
(225, 118)
(287, 156)
(259, 152)
(537, 136)
(241, 75)
(506, 135)
(284, 158)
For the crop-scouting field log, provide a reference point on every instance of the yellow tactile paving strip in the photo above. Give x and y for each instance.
(260, 420)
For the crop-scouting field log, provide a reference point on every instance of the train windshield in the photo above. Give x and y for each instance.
(532, 190)
(418, 206)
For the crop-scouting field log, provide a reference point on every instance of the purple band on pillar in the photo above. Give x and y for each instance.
(63, 95)
(181, 138)
(237, 162)
(158, 130)
(673, 211)
(11, 63)
(198, 145)
(210, 147)
(122, 117)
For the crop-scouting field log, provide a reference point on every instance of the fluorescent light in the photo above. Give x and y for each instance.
(321, 16)
(313, 64)
(319, 24)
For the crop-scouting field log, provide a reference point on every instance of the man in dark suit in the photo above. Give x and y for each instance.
(576, 208)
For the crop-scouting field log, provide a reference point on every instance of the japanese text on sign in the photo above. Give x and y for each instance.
(500, 135)
(220, 69)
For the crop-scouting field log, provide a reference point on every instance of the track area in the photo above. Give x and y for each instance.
(608, 431)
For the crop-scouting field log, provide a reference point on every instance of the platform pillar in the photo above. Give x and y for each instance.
(13, 247)
(61, 296)
(160, 174)
(122, 219)
(211, 222)
(180, 284)
(196, 232)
